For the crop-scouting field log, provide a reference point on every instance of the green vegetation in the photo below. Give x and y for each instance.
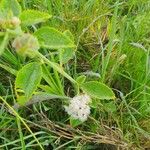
(56, 54)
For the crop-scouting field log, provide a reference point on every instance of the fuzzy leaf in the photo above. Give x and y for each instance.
(31, 17)
(69, 35)
(98, 90)
(67, 53)
(110, 107)
(22, 100)
(11, 5)
(51, 38)
(27, 80)
(81, 79)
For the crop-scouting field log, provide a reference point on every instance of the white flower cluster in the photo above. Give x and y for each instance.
(79, 108)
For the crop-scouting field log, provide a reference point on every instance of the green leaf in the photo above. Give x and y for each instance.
(81, 79)
(31, 17)
(11, 5)
(27, 80)
(110, 107)
(75, 122)
(51, 38)
(67, 53)
(69, 35)
(22, 100)
(98, 90)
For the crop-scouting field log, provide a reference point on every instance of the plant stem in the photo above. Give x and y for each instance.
(21, 119)
(56, 67)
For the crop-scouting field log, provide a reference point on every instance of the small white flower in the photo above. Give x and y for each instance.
(78, 107)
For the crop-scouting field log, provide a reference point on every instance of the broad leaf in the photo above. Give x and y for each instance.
(110, 107)
(98, 90)
(81, 79)
(69, 35)
(51, 38)
(10, 5)
(27, 80)
(22, 100)
(31, 17)
(67, 53)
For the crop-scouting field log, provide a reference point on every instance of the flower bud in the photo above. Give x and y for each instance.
(15, 22)
(9, 23)
(25, 44)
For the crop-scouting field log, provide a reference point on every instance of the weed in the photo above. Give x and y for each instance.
(54, 51)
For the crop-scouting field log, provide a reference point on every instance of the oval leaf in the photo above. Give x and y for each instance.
(69, 35)
(81, 79)
(31, 17)
(51, 38)
(27, 80)
(67, 53)
(98, 90)
(10, 5)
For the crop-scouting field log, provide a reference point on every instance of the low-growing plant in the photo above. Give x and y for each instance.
(74, 74)
(41, 76)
